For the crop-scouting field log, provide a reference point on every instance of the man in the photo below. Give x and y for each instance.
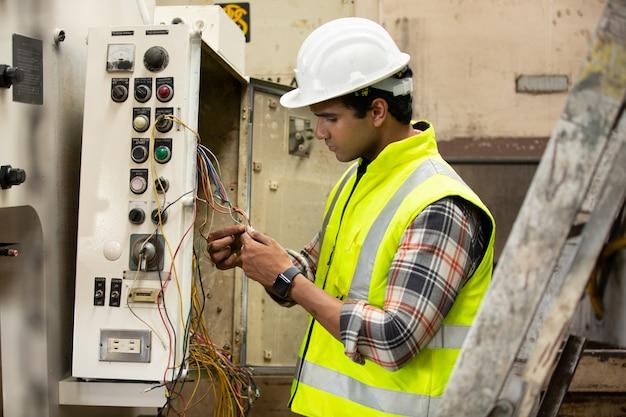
(404, 255)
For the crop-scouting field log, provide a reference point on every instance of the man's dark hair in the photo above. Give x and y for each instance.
(400, 107)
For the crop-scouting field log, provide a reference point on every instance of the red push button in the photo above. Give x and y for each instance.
(165, 93)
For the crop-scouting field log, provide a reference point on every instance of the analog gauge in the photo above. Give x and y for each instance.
(120, 57)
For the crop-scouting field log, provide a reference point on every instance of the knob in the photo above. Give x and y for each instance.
(141, 123)
(164, 125)
(139, 154)
(119, 93)
(156, 59)
(165, 93)
(10, 176)
(138, 185)
(143, 93)
(162, 185)
(154, 216)
(136, 216)
(148, 251)
(162, 154)
(99, 294)
(10, 75)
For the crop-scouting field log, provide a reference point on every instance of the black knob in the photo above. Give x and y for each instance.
(136, 216)
(119, 93)
(156, 59)
(139, 154)
(154, 216)
(162, 185)
(10, 176)
(142, 93)
(10, 75)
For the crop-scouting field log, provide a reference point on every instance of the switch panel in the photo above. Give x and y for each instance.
(130, 74)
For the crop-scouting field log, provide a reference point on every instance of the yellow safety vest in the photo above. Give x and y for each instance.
(354, 263)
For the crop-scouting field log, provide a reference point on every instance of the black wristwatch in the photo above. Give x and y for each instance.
(284, 280)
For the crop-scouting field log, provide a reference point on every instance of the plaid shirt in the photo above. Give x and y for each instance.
(438, 252)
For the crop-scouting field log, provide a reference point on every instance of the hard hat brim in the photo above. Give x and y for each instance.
(295, 98)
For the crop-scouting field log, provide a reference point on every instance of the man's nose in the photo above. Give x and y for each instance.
(320, 132)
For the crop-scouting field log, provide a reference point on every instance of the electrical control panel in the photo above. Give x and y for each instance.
(136, 213)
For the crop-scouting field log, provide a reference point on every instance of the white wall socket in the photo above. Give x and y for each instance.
(119, 345)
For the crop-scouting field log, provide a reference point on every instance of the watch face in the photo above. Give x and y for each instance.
(284, 279)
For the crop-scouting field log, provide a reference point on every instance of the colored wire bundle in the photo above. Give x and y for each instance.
(231, 385)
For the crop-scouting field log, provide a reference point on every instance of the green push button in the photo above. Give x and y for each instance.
(162, 154)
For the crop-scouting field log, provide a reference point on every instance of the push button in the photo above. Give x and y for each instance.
(165, 93)
(162, 154)
(141, 123)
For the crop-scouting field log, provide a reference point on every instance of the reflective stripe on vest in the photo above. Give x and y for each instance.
(395, 402)
(359, 288)
(346, 177)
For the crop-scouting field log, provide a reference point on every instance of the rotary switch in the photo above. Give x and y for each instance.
(164, 124)
(156, 59)
(119, 93)
(143, 93)
(141, 123)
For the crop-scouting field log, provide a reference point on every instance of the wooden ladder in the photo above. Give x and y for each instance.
(575, 196)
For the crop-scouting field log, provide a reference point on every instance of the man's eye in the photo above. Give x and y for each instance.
(331, 119)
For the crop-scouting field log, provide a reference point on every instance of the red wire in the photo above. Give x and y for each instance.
(164, 287)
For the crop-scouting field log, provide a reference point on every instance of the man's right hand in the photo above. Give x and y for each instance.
(224, 246)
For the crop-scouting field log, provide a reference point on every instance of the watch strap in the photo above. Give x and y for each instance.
(283, 282)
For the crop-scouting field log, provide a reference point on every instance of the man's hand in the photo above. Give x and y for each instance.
(224, 246)
(262, 258)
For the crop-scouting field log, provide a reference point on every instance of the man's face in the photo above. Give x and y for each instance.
(346, 135)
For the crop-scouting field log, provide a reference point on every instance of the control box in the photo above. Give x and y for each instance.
(136, 213)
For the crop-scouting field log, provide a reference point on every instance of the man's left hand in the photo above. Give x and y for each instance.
(262, 258)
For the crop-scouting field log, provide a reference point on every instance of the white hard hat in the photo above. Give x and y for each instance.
(343, 56)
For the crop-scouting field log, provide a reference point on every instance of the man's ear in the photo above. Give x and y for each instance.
(379, 111)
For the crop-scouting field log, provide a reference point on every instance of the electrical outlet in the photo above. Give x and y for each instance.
(118, 345)
(121, 345)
